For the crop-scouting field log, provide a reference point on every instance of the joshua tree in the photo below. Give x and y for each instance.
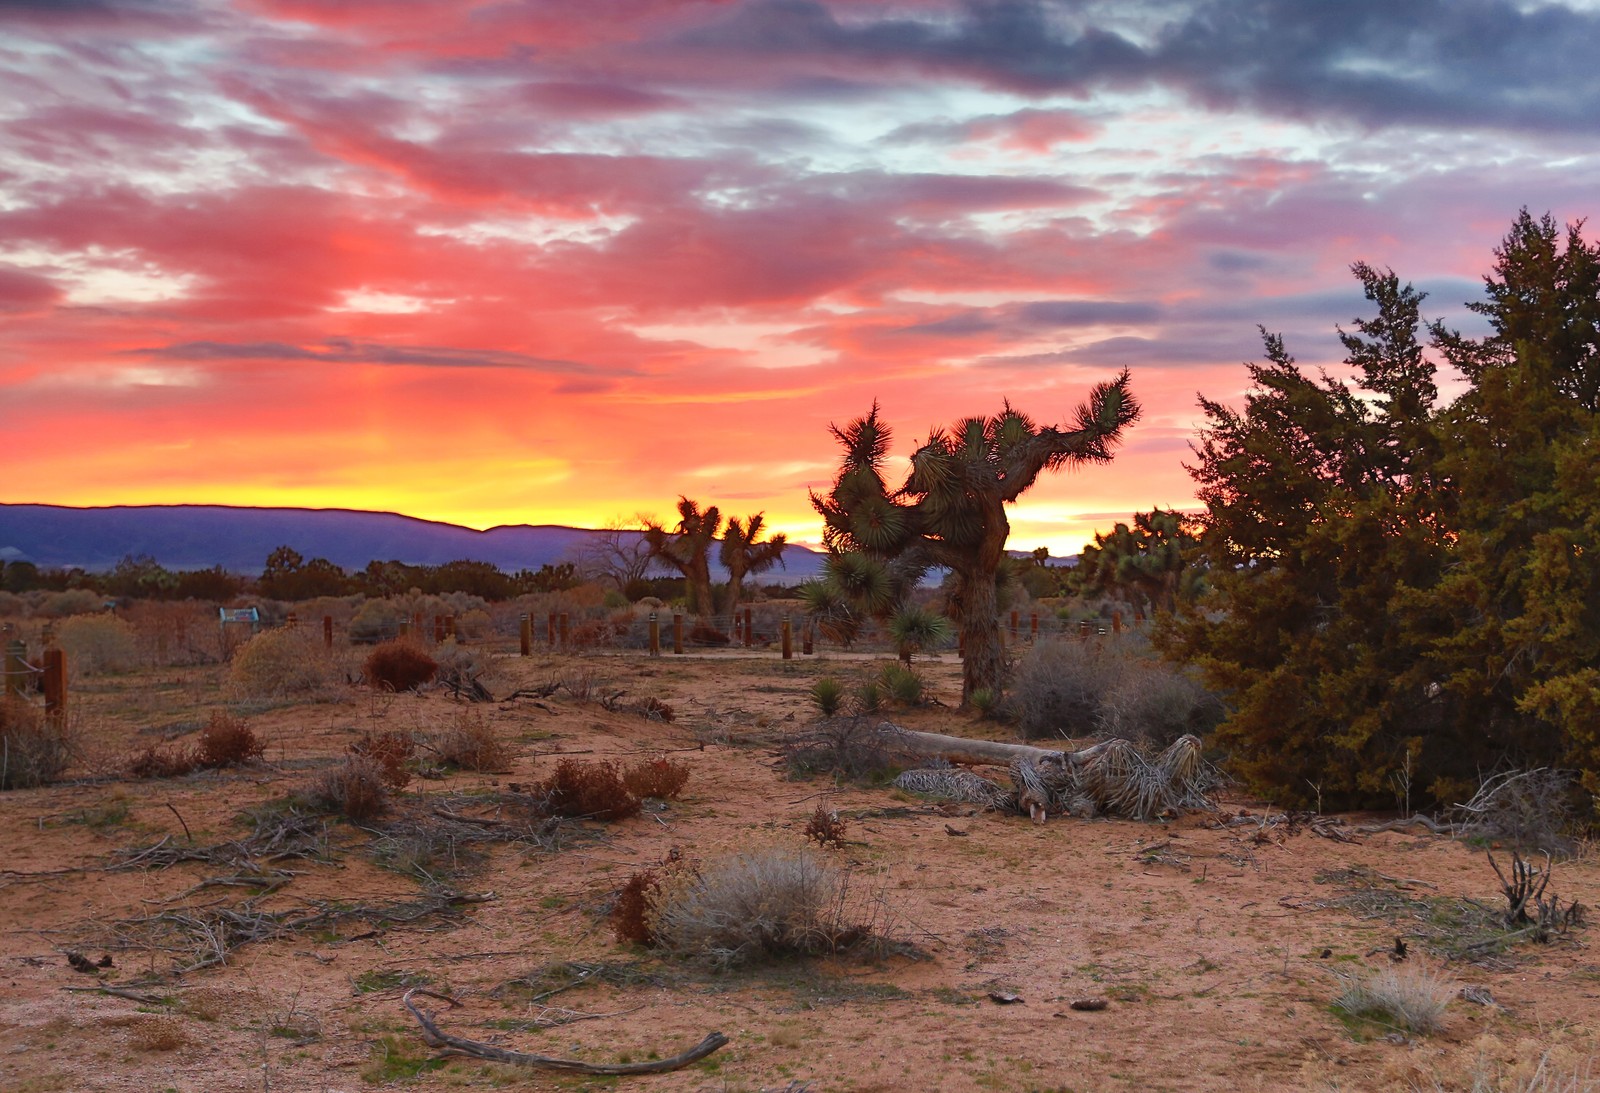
(687, 548)
(951, 509)
(743, 556)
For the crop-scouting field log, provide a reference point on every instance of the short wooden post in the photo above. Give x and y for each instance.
(655, 636)
(749, 639)
(807, 646)
(677, 633)
(736, 635)
(327, 631)
(1116, 622)
(416, 627)
(1083, 628)
(438, 629)
(291, 622)
(16, 672)
(55, 685)
(1033, 627)
(526, 629)
(550, 630)
(563, 619)
(450, 627)
(788, 640)
(405, 629)
(1014, 620)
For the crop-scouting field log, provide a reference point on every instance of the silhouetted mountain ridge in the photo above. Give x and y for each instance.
(239, 539)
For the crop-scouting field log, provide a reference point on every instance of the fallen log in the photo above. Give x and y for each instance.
(959, 749)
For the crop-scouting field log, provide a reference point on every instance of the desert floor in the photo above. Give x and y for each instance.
(1217, 940)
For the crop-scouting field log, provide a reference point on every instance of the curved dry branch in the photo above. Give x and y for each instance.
(436, 1037)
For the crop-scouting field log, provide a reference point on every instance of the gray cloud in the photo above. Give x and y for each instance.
(345, 351)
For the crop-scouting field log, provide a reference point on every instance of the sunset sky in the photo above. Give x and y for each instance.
(560, 261)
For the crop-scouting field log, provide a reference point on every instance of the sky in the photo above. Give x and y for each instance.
(546, 261)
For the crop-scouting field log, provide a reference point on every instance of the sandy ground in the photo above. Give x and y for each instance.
(1217, 947)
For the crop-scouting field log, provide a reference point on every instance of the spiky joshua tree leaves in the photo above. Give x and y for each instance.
(950, 511)
(743, 556)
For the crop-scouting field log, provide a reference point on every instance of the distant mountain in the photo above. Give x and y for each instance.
(239, 539)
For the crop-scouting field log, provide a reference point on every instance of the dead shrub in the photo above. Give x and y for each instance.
(98, 644)
(851, 746)
(631, 913)
(34, 749)
(587, 790)
(702, 634)
(1526, 809)
(470, 744)
(283, 663)
(354, 789)
(661, 778)
(653, 709)
(1061, 687)
(759, 905)
(398, 666)
(825, 828)
(162, 762)
(1155, 704)
(391, 752)
(227, 741)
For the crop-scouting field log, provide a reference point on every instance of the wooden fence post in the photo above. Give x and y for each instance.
(327, 631)
(677, 633)
(655, 636)
(807, 641)
(563, 618)
(450, 628)
(438, 629)
(55, 685)
(291, 622)
(788, 640)
(1116, 622)
(550, 630)
(526, 628)
(748, 638)
(405, 629)
(1014, 620)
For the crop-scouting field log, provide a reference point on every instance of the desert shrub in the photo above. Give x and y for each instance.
(588, 790)
(463, 670)
(828, 694)
(282, 663)
(984, 701)
(1409, 998)
(391, 752)
(631, 912)
(227, 741)
(1061, 686)
(398, 666)
(157, 761)
(901, 684)
(374, 621)
(475, 625)
(34, 749)
(653, 709)
(849, 746)
(762, 904)
(661, 778)
(74, 601)
(12, 606)
(825, 827)
(1156, 704)
(470, 744)
(174, 633)
(355, 789)
(97, 644)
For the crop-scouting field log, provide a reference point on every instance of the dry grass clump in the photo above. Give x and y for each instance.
(355, 789)
(33, 749)
(470, 744)
(661, 778)
(1061, 686)
(390, 752)
(98, 644)
(759, 905)
(283, 663)
(1410, 998)
(398, 666)
(587, 790)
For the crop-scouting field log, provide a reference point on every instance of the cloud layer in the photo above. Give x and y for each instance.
(529, 260)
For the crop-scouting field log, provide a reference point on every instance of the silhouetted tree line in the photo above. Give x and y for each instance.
(1405, 589)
